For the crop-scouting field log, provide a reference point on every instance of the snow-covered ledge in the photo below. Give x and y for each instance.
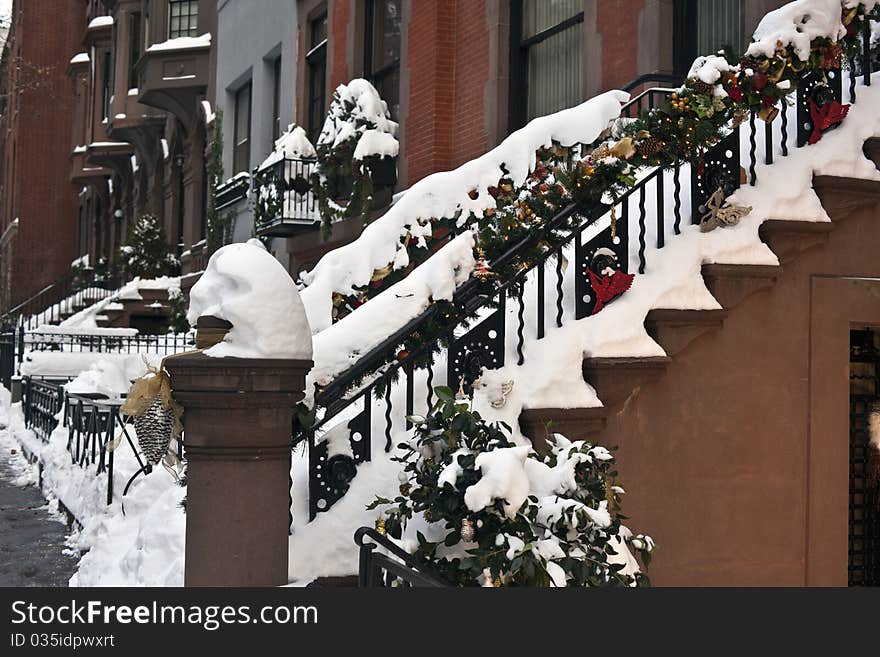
(238, 397)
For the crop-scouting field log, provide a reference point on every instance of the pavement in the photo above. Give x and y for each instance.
(31, 535)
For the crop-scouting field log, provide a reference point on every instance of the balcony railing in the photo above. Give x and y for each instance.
(284, 201)
(233, 191)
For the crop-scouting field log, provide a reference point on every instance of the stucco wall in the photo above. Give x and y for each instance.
(250, 38)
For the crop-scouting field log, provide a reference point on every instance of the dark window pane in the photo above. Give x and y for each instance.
(242, 146)
(540, 15)
(183, 18)
(719, 24)
(556, 72)
(386, 33)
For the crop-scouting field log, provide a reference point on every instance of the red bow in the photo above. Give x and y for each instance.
(824, 117)
(608, 288)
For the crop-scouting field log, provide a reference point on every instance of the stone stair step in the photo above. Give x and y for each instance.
(675, 329)
(732, 284)
(574, 423)
(872, 150)
(615, 379)
(788, 239)
(842, 196)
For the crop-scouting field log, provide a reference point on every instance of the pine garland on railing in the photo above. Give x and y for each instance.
(721, 91)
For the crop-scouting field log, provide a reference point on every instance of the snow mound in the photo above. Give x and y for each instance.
(246, 286)
(364, 108)
(292, 144)
(443, 195)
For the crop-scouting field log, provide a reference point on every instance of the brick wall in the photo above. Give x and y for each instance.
(338, 17)
(618, 23)
(448, 66)
(41, 197)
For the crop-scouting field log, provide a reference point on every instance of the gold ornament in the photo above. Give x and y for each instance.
(768, 114)
(721, 214)
(380, 526)
(624, 149)
(379, 274)
(468, 531)
(506, 389)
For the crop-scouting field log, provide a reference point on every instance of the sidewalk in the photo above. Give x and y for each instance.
(31, 534)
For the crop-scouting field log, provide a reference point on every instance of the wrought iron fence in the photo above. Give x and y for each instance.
(597, 242)
(95, 425)
(284, 200)
(396, 569)
(75, 291)
(111, 343)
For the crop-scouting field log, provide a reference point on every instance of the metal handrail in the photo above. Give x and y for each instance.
(408, 570)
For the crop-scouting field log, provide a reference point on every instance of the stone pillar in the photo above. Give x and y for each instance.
(237, 421)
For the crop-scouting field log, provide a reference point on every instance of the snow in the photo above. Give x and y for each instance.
(443, 194)
(100, 21)
(374, 143)
(249, 288)
(138, 540)
(339, 346)
(709, 69)
(504, 478)
(292, 144)
(367, 108)
(66, 365)
(209, 113)
(797, 23)
(182, 43)
(80, 58)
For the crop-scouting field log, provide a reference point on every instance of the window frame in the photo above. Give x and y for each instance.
(193, 29)
(518, 111)
(316, 66)
(135, 48)
(237, 143)
(377, 76)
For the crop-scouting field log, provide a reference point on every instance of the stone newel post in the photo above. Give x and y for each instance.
(237, 425)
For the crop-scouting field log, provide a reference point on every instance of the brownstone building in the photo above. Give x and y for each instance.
(38, 207)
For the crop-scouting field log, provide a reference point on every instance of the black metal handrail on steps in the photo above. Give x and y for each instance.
(393, 570)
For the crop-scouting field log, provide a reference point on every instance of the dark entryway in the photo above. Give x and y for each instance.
(864, 459)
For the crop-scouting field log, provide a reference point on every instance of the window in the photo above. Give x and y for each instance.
(382, 50)
(547, 58)
(704, 28)
(134, 40)
(316, 61)
(106, 82)
(276, 101)
(183, 18)
(241, 157)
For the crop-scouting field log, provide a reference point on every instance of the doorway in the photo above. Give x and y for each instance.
(863, 567)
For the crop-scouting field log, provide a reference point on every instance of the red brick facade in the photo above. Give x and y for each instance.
(35, 137)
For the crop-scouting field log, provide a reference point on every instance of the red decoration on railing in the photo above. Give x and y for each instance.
(824, 117)
(608, 288)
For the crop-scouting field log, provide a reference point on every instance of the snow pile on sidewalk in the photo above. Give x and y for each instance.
(247, 287)
(138, 540)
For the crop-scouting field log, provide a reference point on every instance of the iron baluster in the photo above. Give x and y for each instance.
(661, 223)
(387, 415)
(784, 128)
(559, 288)
(768, 143)
(429, 399)
(676, 179)
(753, 147)
(866, 51)
(408, 372)
(541, 283)
(642, 229)
(520, 327)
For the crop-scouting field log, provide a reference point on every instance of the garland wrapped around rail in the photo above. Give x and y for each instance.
(720, 91)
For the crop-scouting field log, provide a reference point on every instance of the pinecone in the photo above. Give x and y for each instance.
(154, 429)
(650, 147)
(702, 88)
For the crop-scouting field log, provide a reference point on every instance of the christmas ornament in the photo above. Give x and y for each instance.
(379, 274)
(703, 88)
(768, 113)
(482, 270)
(506, 389)
(155, 416)
(650, 147)
(825, 117)
(624, 149)
(380, 526)
(468, 531)
(402, 355)
(608, 288)
(720, 213)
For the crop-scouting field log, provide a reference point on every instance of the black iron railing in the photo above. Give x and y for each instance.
(95, 427)
(393, 568)
(75, 291)
(283, 198)
(622, 238)
(161, 343)
(233, 191)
